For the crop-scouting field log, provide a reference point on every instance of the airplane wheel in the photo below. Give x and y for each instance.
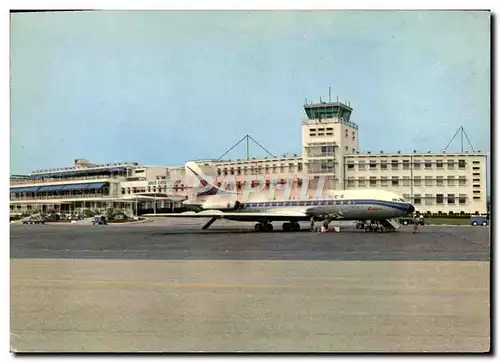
(259, 227)
(268, 227)
(287, 226)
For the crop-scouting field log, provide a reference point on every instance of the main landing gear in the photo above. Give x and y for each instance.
(263, 227)
(291, 226)
(287, 226)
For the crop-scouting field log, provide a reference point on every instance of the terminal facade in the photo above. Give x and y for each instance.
(433, 182)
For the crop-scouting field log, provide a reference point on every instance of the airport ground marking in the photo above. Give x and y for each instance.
(118, 283)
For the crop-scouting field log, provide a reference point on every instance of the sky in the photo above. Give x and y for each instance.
(165, 87)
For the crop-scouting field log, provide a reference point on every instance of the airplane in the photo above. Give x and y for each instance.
(361, 205)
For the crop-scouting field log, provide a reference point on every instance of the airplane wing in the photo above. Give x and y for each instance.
(239, 216)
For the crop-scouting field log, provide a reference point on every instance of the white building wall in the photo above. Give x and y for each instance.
(433, 182)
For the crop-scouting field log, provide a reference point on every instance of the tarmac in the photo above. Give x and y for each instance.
(168, 287)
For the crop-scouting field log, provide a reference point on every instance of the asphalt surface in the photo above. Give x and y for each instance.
(173, 288)
(236, 242)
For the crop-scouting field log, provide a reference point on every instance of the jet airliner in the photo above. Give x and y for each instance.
(360, 205)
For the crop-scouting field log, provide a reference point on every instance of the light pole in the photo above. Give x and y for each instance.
(411, 179)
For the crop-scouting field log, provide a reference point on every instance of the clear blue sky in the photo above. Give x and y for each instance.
(161, 88)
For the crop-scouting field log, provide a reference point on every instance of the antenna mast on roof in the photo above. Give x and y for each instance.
(247, 138)
(462, 134)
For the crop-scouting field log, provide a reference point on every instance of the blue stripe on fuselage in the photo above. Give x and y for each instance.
(328, 202)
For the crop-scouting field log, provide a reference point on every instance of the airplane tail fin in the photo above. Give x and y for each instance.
(208, 188)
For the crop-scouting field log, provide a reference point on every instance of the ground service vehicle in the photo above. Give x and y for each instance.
(479, 220)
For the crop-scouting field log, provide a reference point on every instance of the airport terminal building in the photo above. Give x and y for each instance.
(434, 182)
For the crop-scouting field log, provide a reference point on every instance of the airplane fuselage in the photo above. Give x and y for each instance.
(342, 208)
(355, 209)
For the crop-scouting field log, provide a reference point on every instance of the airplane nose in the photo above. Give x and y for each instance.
(411, 209)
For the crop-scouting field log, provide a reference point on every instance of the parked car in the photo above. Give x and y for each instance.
(99, 220)
(33, 220)
(479, 220)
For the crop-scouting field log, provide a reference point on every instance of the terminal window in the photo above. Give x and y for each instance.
(394, 164)
(383, 165)
(439, 198)
(417, 181)
(417, 200)
(395, 181)
(373, 164)
(416, 165)
(461, 164)
(439, 164)
(428, 164)
(406, 164)
(451, 199)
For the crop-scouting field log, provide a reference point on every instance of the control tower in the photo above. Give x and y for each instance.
(328, 110)
(327, 136)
